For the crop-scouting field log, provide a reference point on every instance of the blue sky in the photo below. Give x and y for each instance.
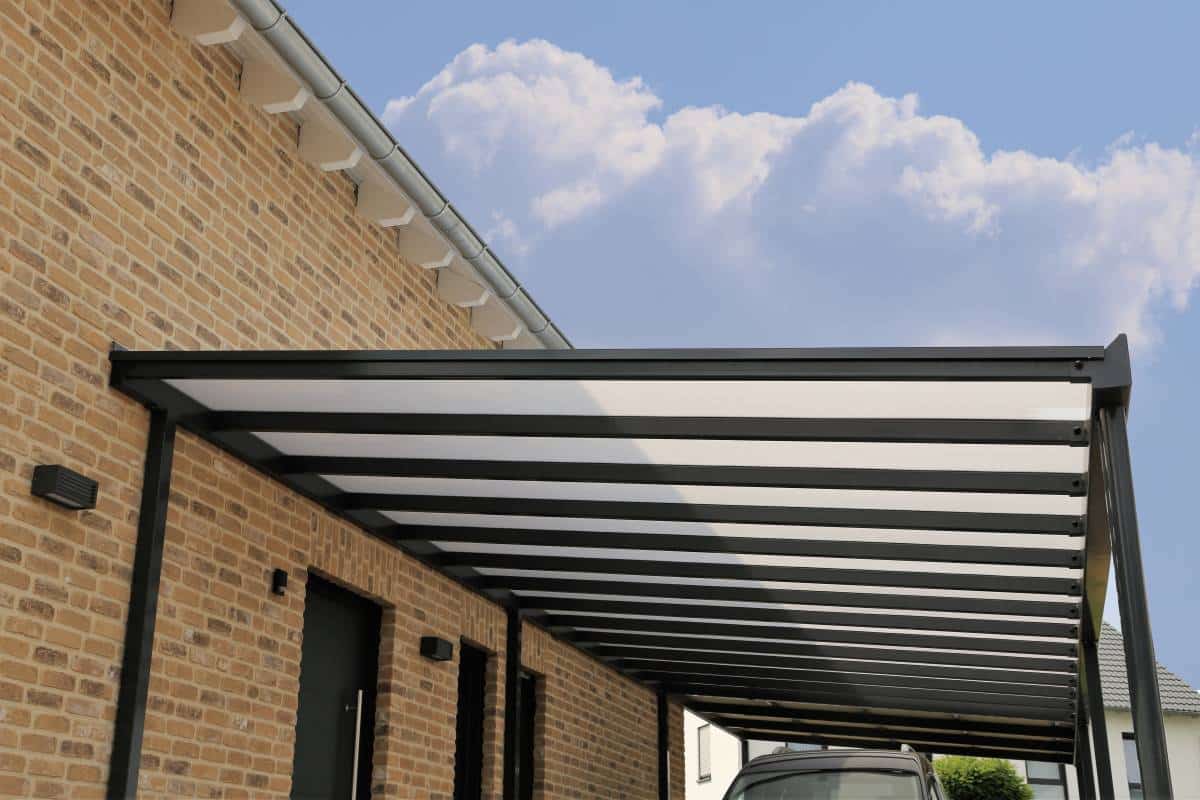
(826, 173)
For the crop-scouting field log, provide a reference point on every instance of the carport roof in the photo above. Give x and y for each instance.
(851, 546)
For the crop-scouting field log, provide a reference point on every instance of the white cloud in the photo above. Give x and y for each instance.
(860, 214)
(505, 233)
(559, 107)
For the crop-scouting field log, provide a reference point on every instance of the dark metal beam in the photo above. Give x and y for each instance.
(1083, 755)
(727, 675)
(912, 701)
(949, 747)
(846, 693)
(916, 480)
(972, 431)
(1062, 524)
(1058, 609)
(853, 685)
(664, 744)
(1093, 698)
(1097, 549)
(951, 723)
(632, 659)
(714, 628)
(773, 546)
(512, 701)
(883, 363)
(787, 648)
(1140, 662)
(757, 572)
(134, 687)
(790, 732)
(1068, 629)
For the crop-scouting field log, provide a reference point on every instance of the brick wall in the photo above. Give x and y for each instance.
(142, 202)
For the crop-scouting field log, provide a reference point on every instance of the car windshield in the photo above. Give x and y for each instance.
(832, 785)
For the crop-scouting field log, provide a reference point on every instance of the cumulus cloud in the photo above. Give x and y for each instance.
(861, 218)
(587, 129)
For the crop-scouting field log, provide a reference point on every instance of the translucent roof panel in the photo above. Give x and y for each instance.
(839, 545)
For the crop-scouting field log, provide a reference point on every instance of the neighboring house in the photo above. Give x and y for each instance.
(712, 757)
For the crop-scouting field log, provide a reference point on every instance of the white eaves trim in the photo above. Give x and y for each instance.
(283, 73)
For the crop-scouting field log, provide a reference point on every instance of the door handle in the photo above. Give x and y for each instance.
(358, 704)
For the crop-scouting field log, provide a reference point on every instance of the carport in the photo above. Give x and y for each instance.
(855, 547)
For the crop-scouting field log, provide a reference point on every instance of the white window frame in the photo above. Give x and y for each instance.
(704, 753)
(1061, 781)
(1126, 738)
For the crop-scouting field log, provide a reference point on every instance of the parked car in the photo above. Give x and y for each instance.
(837, 775)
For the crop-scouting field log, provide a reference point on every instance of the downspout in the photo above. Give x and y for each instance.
(271, 22)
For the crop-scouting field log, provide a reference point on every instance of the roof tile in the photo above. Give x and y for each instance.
(1177, 695)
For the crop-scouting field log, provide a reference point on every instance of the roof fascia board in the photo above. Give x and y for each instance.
(270, 22)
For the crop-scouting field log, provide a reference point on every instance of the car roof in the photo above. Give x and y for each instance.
(836, 759)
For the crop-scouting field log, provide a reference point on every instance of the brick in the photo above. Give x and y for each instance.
(150, 206)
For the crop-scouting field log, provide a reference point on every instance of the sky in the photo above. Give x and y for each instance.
(829, 173)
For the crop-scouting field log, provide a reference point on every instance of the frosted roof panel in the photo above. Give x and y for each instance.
(808, 399)
(784, 537)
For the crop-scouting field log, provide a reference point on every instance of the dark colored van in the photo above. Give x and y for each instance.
(837, 775)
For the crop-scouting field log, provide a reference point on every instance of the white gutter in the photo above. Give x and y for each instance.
(271, 22)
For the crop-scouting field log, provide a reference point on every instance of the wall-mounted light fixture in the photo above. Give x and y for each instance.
(436, 649)
(64, 487)
(279, 582)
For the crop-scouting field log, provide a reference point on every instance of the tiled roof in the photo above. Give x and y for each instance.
(1177, 695)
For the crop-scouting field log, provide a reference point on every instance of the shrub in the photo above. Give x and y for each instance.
(968, 778)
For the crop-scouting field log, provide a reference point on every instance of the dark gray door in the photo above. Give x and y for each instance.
(468, 751)
(338, 675)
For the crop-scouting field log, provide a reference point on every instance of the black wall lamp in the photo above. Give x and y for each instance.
(64, 487)
(279, 582)
(436, 649)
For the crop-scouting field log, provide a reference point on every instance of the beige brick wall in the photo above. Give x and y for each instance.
(583, 754)
(142, 202)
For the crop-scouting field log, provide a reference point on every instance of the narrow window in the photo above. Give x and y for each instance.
(1133, 767)
(527, 766)
(468, 751)
(704, 753)
(1048, 781)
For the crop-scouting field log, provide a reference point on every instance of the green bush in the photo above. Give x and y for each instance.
(967, 778)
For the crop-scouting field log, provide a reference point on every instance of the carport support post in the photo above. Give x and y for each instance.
(143, 608)
(1083, 756)
(1140, 661)
(664, 745)
(1094, 698)
(512, 701)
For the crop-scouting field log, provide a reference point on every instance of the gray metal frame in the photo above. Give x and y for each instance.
(1032, 681)
(512, 700)
(130, 723)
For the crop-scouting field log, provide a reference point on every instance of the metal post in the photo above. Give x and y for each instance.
(1140, 663)
(1095, 710)
(745, 751)
(1083, 756)
(143, 607)
(664, 746)
(512, 703)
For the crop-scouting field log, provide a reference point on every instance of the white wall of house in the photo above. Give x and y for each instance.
(1183, 750)
(725, 751)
